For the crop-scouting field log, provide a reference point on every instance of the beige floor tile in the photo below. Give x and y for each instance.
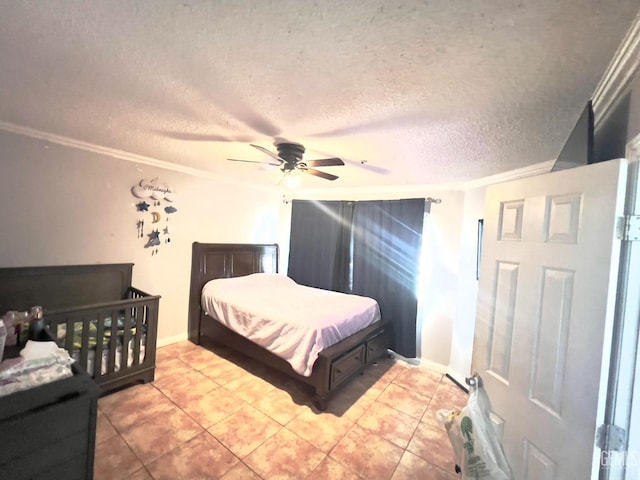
(141, 474)
(323, 430)
(368, 455)
(175, 350)
(431, 443)
(412, 467)
(104, 429)
(407, 401)
(249, 387)
(243, 431)
(158, 436)
(448, 396)
(419, 379)
(329, 469)
(114, 459)
(389, 423)
(209, 408)
(279, 405)
(115, 400)
(350, 402)
(223, 372)
(202, 457)
(201, 358)
(173, 366)
(134, 406)
(284, 456)
(374, 386)
(179, 387)
(240, 472)
(180, 347)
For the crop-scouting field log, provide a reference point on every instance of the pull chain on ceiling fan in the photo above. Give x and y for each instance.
(289, 159)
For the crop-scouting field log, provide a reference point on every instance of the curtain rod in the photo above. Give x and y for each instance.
(285, 200)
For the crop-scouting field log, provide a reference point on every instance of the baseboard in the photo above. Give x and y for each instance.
(163, 342)
(431, 365)
(412, 361)
(455, 378)
(435, 366)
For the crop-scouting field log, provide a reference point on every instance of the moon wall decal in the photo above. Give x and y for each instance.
(156, 217)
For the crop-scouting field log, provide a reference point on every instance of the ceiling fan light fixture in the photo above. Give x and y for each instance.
(294, 179)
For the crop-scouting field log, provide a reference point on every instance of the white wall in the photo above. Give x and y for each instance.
(441, 270)
(467, 286)
(63, 205)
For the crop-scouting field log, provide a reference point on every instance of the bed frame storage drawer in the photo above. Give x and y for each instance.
(346, 365)
(376, 347)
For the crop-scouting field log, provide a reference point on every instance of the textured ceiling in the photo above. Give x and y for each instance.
(425, 92)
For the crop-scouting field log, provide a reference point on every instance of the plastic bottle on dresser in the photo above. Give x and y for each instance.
(24, 320)
(3, 337)
(37, 322)
(10, 324)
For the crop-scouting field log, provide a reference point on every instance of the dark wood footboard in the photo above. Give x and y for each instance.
(334, 366)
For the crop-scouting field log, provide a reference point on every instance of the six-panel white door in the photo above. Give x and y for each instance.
(545, 310)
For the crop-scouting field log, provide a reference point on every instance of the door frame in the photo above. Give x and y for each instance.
(624, 384)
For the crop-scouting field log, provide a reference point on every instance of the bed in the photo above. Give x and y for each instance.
(332, 367)
(108, 326)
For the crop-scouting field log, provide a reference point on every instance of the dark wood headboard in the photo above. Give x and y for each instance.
(63, 286)
(224, 260)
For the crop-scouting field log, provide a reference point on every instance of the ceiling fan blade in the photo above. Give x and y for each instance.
(253, 161)
(268, 152)
(318, 173)
(324, 162)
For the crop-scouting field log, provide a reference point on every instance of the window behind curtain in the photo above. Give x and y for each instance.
(319, 243)
(387, 236)
(368, 248)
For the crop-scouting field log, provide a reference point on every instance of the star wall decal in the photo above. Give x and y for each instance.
(154, 239)
(143, 206)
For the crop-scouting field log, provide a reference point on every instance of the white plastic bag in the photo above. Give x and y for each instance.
(476, 445)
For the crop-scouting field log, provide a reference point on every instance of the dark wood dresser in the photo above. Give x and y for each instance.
(48, 432)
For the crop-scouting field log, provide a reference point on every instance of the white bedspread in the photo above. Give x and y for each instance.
(292, 321)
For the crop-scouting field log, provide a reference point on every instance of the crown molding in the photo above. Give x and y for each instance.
(528, 171)
(518, 173)
(119, 154)
(100, 150)
(619, 74)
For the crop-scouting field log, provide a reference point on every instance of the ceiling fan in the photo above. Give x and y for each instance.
(289, 159)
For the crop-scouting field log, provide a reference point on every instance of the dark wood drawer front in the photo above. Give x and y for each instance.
(377, 347)
(39, 444)
(342, 368)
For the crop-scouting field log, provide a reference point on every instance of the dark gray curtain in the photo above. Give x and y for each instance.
(387, 236)
(319, 251)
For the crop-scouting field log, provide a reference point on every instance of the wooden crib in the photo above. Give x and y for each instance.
(93, 312)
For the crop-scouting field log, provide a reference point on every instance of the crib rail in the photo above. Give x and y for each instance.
(111, 341)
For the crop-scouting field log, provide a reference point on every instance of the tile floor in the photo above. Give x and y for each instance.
(213, 414)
